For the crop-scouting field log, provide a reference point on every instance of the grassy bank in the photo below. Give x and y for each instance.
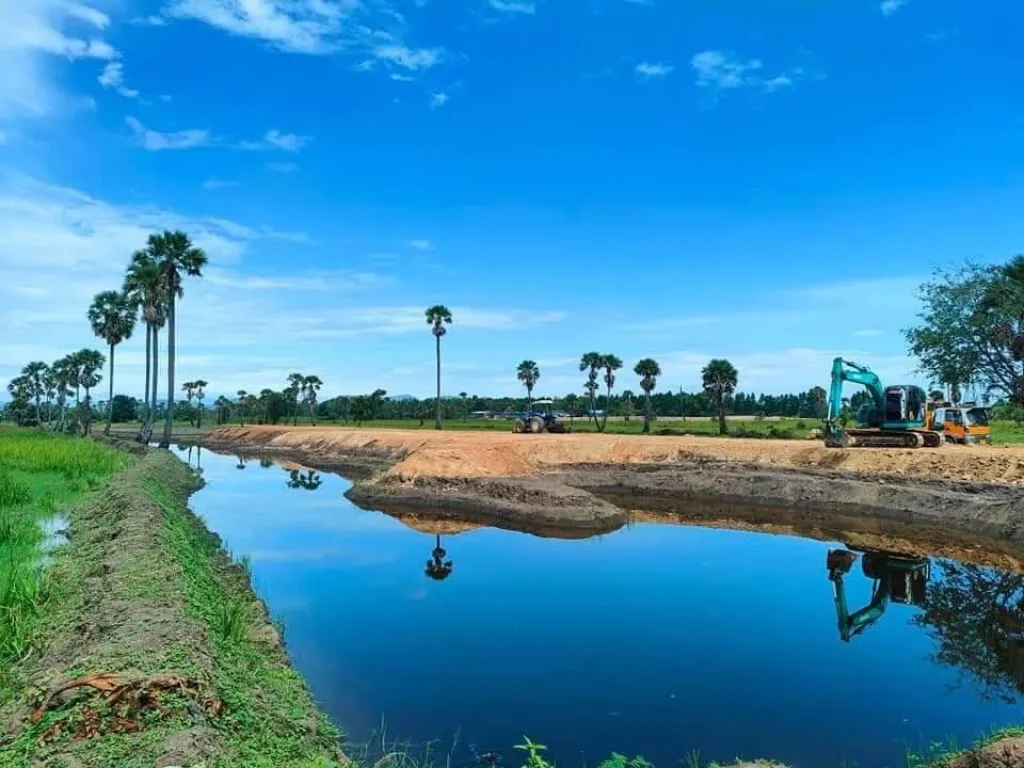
(40, 474)
(180, 663)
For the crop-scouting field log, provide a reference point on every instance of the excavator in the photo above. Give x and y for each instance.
(897, 578)
(897, 416)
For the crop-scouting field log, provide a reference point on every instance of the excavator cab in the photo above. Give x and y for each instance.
(896, 577)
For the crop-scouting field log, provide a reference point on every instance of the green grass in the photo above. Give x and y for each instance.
(40, 473)
(1006, 431)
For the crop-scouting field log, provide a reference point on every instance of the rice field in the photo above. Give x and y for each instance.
(40, 474)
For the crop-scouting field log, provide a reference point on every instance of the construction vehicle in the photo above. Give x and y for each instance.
(898, 578)
(540, 417)
(897, 416)
(965, 424)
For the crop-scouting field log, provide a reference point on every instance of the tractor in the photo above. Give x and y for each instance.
(540, 417)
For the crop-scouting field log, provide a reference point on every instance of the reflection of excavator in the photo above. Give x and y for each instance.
(896, 577)
(897, 416)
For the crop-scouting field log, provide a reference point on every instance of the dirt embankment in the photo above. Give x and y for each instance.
(958, 497)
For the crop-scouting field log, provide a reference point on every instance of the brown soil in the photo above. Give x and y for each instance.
(500, 454)
(1005, 753)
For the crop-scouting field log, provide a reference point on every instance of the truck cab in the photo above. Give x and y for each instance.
(966, 424)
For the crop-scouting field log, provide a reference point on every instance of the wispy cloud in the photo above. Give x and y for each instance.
(31, 31)
(866, 333)
(408, 58)
(724, 70)
(216, 183)
(421, 245)
(645, 70)
(889, 7)
(274, 139)
(402, 78)
(513, 6)
(112, 76)
(154, 141)
(438, 99)
(282, 167)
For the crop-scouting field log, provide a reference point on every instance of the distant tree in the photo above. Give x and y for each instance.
(528, 373)
(223, 406)
(627, 404)
(936, 394)
(437, 317)
(817, 397)
(177, 257)
(200, 393)
(611, 364)
(592, 362)
(296, 383)
(36, 374)
(89, 363)
(243, 405)
(112, 316)
(719, 377)
(124, 409)
(311, 386)
(648, 370)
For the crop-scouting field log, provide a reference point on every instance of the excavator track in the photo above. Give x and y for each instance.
(893, 438)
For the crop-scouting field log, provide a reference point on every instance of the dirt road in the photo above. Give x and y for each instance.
(496, 454)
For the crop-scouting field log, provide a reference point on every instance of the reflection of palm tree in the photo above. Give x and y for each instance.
(266, 463)
(307, 481)
(438, 568)
(241, 463)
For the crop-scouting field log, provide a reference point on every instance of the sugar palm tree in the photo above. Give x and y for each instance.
(611, 364)
(311, 386)
(112, 316)
(438, 316)
(627, 404)
(296, 384)
(199, 389)
(592, 362)
(64, 374)
(243, 404)
(720, 379)
(177, 257)
(648, 370)
(143, 283)
(35, 374)
(528, 373)
(438, 568)
(89, 364)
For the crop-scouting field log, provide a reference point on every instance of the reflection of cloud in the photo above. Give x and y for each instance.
(419, 594)
(342, 556)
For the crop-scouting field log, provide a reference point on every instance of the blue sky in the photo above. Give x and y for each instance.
(765, 181)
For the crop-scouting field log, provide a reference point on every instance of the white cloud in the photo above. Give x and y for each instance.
(647, 71)
(513, 6)
(421, 245)
(408, 58)
(216, 183)
(438, 99)
(164, 97)
(889, 7)
(282, 167)
(32, 34)
(402, 78)
(112, 76)
(724, 70)
(154, 141)
(274, 139)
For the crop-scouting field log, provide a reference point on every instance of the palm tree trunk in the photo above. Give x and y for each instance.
(169, 421)
(607, 406)
(437, 418)
(153, 383)
(145, 390)
(199, 417)
(312, 411)
(110, 397)
(721, 416)
(647, 413)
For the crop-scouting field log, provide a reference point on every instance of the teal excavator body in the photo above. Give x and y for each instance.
(897, 416)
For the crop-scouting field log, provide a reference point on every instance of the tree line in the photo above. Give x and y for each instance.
(153, 283)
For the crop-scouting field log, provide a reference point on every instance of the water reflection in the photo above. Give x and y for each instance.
(976, 615)
(241, 463)
(306, 480)
(438, 568)
(894, 577)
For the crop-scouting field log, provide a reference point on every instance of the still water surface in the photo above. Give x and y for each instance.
(654, 640)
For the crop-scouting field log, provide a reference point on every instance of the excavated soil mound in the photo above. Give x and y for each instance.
(499, 454)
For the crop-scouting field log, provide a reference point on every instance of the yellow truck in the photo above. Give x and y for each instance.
(964, 424)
